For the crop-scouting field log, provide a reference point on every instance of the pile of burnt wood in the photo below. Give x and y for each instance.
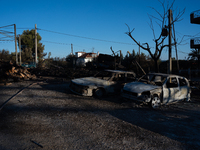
(13, 72)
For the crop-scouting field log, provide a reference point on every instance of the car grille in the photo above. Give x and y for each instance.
(130, 93)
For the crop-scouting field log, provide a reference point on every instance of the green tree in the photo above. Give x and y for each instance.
(4, 55)
(28, 45)
(13, 56)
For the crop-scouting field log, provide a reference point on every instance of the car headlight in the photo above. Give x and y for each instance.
(84, 91)
(145, 96)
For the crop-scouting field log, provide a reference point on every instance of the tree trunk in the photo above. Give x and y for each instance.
(156, 65)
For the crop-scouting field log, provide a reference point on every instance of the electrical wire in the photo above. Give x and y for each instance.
(55, 42)
(6, 26)
(183, 52)
(3, 41)
(86, 37)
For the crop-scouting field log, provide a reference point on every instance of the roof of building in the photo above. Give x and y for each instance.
(86, 55)
(80, 52)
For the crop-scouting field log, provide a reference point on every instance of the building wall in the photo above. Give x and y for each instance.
(79, 54)
(83, 61)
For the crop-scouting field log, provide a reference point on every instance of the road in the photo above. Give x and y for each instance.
(48, 116)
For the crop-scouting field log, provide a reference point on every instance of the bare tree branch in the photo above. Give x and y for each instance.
(152, 28)
(172, 5)
(158, 24)
(129, 34)
(129, 29)
(162, 41)
(156, 18)
(157, 12)
(161, 21)
(177, 18)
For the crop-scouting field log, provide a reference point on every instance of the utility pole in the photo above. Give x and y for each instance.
(170, 41)
(72, 54)
(35, 45)
(139, 53)
(16, 44)
(176, 48)
(72, 49)
(20, 51)
(120, 57)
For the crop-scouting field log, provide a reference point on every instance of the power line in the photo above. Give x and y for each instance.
(25, 28)
(63, 43)
(6, 41)
(6, 35)
(86, 37)
(55, 42)
(7, 26)
(183, 52)
(7, 32)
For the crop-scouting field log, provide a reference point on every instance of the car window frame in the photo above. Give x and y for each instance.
(166, 82)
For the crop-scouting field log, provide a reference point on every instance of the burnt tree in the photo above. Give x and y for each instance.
(163, 34)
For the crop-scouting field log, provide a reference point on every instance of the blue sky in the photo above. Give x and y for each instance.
(95, 19)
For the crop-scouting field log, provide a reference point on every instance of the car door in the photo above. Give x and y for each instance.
(183, 88)
(170, 90)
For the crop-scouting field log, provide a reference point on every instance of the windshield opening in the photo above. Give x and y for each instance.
(105, 75)
(153, 79)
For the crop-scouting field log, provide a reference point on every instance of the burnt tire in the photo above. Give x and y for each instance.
(99, 93)
(155, 102)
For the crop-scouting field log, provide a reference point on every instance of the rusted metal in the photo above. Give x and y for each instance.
(166, 88)
(111, 82)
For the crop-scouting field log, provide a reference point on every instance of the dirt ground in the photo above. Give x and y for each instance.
(46, 115)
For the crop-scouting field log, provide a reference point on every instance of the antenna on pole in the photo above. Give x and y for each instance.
(72, 49)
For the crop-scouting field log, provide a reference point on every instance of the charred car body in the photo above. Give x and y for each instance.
(108, 81)
(157, 89)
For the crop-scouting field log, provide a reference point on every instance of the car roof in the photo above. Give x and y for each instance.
(119, 71)
(166, 75)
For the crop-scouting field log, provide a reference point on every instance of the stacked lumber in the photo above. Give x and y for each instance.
(9, 71)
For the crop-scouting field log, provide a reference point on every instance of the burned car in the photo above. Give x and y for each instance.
(105, 82)
(157, 89)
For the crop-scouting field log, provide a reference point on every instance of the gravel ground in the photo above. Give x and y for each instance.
(46, 115)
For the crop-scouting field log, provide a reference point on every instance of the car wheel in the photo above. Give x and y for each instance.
(155, 102)
(99, 93)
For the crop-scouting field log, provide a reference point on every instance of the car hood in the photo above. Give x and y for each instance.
(91, 81)
(139, 87)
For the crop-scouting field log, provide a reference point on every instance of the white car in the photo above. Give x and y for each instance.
(106, 82)
(158, 89)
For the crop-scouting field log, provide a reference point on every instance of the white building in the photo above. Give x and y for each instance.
(83, 58)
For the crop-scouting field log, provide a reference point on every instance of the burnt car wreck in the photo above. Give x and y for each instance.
(157, 89)
(105, 82)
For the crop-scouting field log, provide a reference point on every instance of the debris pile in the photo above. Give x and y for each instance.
(64, 72)
(13, 72)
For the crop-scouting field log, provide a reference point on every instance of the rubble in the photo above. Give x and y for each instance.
(13, 72)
